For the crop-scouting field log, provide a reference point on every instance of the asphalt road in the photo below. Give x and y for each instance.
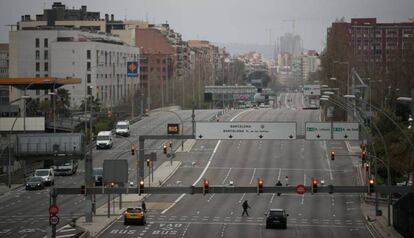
(25, 213)
(293, 162)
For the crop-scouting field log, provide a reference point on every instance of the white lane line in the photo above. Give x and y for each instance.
(251, 180)
(227, 176)
(205, 168)
(303, 102)
(280, 173)
(175, 202)
(241, 199)
(63, 236)
(286, 97)
(211, 197)
(271, 199)
(323, 145)
(304, 183)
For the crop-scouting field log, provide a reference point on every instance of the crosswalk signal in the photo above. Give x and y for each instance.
(148, 162)
(259, 186)
(164, 147)
(314, 186)
(205, 186)
(333, 155)
(170, 143)
(363, 156)
(132, 150)
(370, 186)
(141, 187)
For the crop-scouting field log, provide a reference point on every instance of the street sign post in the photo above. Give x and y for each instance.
(300, 189)
(318, 131)
(246, 130)
(345, 131)
(53, 210)
(53, 220)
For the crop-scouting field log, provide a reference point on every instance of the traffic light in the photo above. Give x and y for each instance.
(170, 143)
(259, 186)
(333, 155)
(314, 186)
(132, 150)
(364, 156)
(141, 187)
(148, 162)
(205, 186)
(370, 186)
(366, 167)
(164, 147)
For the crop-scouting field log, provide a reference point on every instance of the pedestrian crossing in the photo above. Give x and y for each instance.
(254, 220)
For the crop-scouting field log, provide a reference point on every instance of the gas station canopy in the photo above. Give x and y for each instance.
(38, 83)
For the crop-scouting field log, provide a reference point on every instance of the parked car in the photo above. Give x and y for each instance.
(35, 183)
(48, 176)
(276, 218)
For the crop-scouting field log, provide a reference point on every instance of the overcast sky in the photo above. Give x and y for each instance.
(228, 21)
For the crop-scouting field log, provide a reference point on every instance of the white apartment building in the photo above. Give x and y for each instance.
(99, 60)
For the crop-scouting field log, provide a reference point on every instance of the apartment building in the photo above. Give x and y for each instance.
(98, 59)
(371, 45)
(4, 73)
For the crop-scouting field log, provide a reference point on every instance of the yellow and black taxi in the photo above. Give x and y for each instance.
(134, 216)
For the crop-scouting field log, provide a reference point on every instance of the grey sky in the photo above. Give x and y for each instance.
(225, 21)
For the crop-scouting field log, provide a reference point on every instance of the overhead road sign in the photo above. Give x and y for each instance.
(345, 131)
(132, 69)
(312, 90)
(318, 131)
(246, 130)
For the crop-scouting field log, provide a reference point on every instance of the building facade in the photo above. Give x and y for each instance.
(4, 73)
(98, 59)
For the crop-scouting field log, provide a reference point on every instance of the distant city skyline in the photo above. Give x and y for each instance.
(258, 22)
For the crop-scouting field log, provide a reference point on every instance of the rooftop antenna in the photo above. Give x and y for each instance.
(125, 14)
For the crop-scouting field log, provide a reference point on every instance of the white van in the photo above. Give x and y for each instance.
(104, 140)
(65, 166)
(47, 175)
(122, 128)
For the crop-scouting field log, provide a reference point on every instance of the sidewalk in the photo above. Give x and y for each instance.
(100, 220)
(378, 225)
(4, 189)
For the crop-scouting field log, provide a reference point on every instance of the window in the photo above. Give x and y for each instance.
(37, 75)
(88, 54)
(46, 66)
(88, 78)
(37, 92)
(46, 54)
(46, 44)
(37, 42)
(37, 66)
(89, 90)
(37, 54)
(46, 75)
(88, 66)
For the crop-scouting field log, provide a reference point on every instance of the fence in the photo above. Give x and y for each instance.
(403, 215)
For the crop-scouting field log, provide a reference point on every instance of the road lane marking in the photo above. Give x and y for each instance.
(242, 197)
(304, 183)
(225, 178)
(205, 168)
(323, 145)
(280, 173)
(251, 180)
